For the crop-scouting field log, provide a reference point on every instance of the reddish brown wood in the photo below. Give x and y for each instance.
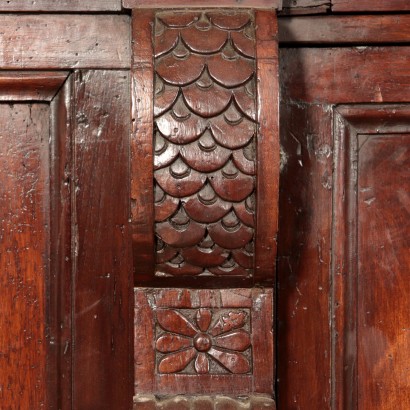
(370, 5)
(303, 76)
(345, 29)
(174, 4)
(204, 132)
(102, 356)
(36, 301)
(369, 334)
(61, 5)
(313, 81)
(142, 176)
(267, 190)
(29, 85)
(61, 252)
(64, 41)
(205, 341)
(24, 256)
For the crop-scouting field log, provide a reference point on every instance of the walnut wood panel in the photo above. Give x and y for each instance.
(60, 5)
(212, 117)
(31, 86)
(254, 402)
(370, 5)
(371, 257)
(345, 29)
(203, 341)
(174, 4)
(64, 41)
(313, 82)
(35, 292)
(102, 359)
(303, 76)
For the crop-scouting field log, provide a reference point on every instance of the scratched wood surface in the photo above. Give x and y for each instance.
(102, 358)
(313, 80)
(64, 41)
(370, 5)
(25, 235)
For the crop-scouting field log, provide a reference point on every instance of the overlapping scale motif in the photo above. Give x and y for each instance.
(205, 134)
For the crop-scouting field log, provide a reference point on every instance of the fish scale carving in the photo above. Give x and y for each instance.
(205, 136)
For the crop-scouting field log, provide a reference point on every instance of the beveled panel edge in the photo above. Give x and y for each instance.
(31, 85)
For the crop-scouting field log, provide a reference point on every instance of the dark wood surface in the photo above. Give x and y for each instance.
(303, 76)
(24, 173)
(199, 180)
(174, 4)
(370, 5)
(102, 356)
(30, 86)
(60, 5)
(373, 29)
(368, 268)
(203, 341)
(64, 41)
(310, 315)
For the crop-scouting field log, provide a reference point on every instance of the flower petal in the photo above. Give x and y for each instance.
(235, 362)
(233, 320)
(238, 340)
(202, 364)
(203, 319)
(171, 343)
(175, 362)
(173, 321)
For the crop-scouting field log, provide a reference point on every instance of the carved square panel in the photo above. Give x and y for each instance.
(203, 341)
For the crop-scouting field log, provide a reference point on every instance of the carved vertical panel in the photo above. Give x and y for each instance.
(205, 146)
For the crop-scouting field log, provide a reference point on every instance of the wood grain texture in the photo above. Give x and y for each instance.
(64, 41)
(103, 274)
(61, 253)
(60, 5)
(305, 217)
(267, 146)
(174, 4)
(364, 30)
(253, 402)
(142, 151)
(203, 341)
(370, 5)
(30, 86)
(25, 236)
(370, 325)
(368, 82)
(305, 351)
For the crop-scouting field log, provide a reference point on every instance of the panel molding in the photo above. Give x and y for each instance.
(349, 123)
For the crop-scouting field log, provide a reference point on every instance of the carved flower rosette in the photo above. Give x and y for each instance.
(203, 341)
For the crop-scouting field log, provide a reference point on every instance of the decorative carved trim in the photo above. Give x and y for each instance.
(254, 402)
(205, 110)
(203, 341)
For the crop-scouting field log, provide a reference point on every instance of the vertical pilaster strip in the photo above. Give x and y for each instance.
(267, 145)
(142, 177)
